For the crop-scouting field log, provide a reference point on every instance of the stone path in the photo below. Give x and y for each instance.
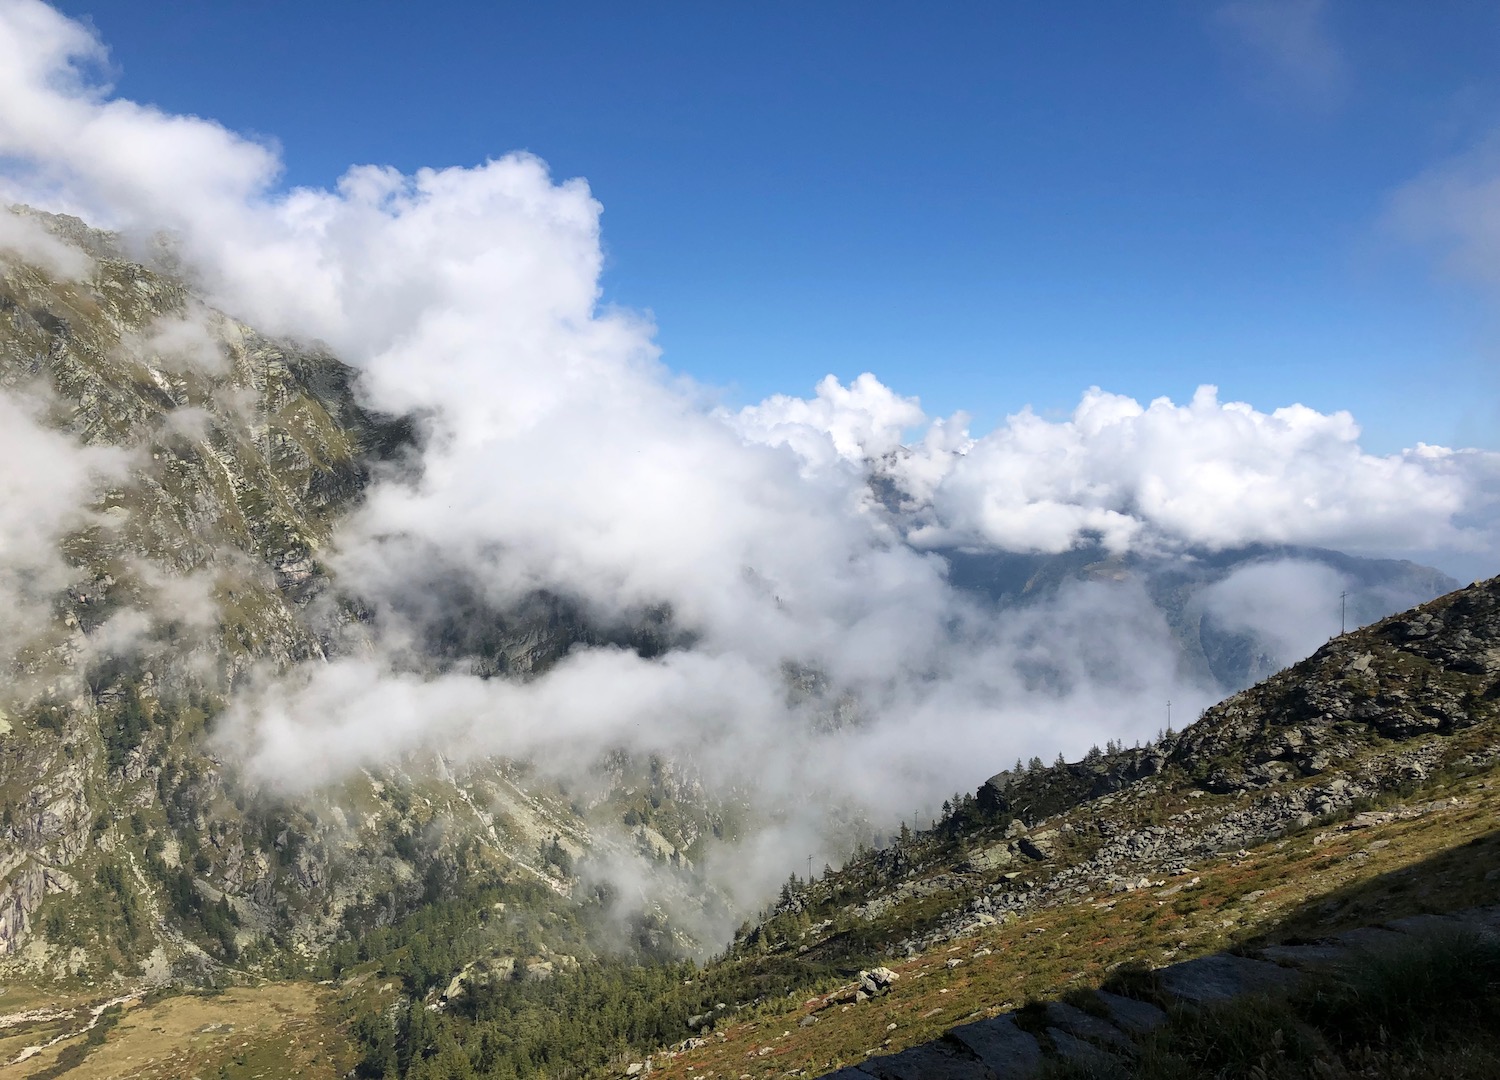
(998, 1049)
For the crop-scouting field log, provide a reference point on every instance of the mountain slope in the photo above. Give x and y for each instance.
(129, 842)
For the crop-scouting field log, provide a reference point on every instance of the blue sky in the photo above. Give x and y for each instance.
(986, 205)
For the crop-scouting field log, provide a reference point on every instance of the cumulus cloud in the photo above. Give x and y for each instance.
(1162, 476)
(561, 457)
(853, 423)
(1208, 473)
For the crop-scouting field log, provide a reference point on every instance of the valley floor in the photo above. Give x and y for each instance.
(272, 1031)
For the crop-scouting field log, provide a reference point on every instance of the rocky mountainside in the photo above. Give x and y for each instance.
(227, 460)
(1377, 711)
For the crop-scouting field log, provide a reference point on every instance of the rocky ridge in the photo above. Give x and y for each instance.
(1328, 734)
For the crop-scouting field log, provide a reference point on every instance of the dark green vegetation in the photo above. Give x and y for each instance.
(507, 1018)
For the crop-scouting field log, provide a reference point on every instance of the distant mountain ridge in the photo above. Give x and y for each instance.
(1232, 658)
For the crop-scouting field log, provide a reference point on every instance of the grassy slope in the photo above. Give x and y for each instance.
(1291, 888)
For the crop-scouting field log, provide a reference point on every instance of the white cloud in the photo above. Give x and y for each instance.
(1289, 605)
(1453, 209)
(1209, 473)
(191, 341)
(23, 239)
(1206, 474)
(862, 421)
(46, 489)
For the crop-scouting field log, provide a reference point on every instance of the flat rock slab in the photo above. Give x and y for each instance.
(1077, 1022)
(1073, 1049)
(1136, 1017)
(929, 1061)
(1009, 1052)
(1370, 938)
(1305, 956)
(1485, 919)
(1221, 977)
(1425, 924)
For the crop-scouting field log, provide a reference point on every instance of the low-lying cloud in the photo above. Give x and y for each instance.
(46, 488)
